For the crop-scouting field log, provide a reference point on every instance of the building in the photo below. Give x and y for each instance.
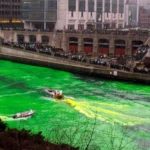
(83, 14)
(145, 3)
(10, 13)
(114, 44)
(41, 14)
(144, 17)
(131, 13)
(73, 14)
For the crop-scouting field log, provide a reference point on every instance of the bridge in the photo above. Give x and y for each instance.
(146, 58)
(103, 42)
(148, 42)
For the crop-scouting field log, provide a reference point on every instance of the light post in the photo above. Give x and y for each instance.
(45, 11)
(130, 18)
(113, 21)
(100, 20)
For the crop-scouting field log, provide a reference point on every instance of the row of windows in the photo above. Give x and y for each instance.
(99, 15)
(32, 38)
(5, 6)
(39, 4)
(145, 24)
(72, 5)
(14, 1)
(35, 9)
(51, 16)
(14, 13)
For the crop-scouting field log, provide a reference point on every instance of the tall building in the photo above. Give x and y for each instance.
(40, 14)
(10, 13)
(145, 3)
(144, 17)
(131, 13)
(73, 14)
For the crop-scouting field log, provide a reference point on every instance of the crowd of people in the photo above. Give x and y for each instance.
(119, 62)
(139, 32)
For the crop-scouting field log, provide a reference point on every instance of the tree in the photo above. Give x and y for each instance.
(3, 126)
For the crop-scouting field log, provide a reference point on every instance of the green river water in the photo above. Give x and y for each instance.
(116, 114)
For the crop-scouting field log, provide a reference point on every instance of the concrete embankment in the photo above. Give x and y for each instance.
(68, 65)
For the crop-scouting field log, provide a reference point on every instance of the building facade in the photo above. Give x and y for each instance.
(144, 3)
(10, 13)
(41, 14)
(73, 14)
(131, 13)
(84, 14)
(144, 17)
(105, 43)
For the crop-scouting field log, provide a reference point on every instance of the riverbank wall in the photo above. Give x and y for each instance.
(37, 59)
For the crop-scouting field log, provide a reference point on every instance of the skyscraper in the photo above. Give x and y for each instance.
(10, 13)
(39, 13)
(73, 14)
(145, 3)
(131, 12)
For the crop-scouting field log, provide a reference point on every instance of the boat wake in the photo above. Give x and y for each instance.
(9, 95)
(47, 98)
(106, 112)
(7, 118)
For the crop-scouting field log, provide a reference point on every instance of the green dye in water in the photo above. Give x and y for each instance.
(111, 103)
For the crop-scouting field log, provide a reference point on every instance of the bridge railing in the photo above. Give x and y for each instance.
(148, 42)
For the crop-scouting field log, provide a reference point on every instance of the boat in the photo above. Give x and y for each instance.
(23, 114)
(57, 94)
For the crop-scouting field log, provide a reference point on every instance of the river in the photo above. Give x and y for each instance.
(115, 114)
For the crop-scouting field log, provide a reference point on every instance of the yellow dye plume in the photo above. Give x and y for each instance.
(107, 112)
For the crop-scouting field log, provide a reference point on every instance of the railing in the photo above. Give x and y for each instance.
(148, 42)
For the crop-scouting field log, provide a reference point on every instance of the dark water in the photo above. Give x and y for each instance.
(91, 106)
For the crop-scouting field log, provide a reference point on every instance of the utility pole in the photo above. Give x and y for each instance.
(45, 10)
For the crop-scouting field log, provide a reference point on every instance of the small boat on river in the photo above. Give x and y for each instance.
(23, 114)
(57, 94)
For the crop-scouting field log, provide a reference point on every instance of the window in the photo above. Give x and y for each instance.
(72, 5)
(114, 6)
(107, 5)
(121, 6)
(45, 39)
(81, 5)
(71, 27)
(91, 5)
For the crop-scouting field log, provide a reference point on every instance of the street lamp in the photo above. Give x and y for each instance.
(130, 18)
(100, 19)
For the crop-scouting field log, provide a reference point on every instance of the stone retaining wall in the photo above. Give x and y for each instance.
(70, 66)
